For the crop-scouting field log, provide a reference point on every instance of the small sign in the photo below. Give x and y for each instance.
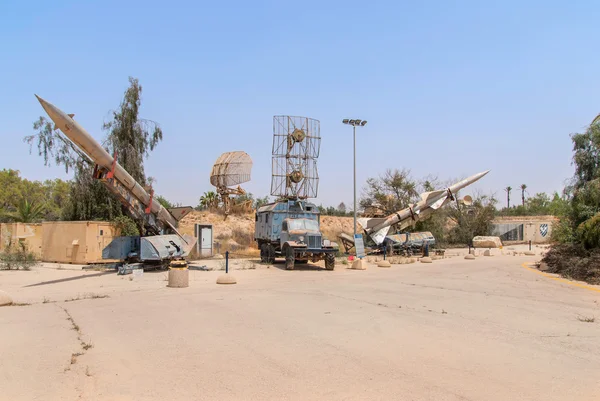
(359, 245)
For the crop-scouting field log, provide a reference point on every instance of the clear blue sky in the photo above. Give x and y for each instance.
(449, 88)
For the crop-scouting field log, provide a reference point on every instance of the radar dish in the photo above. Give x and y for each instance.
(230, 169)
(296, 144)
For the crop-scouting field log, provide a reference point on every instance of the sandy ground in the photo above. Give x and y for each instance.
(487, 329)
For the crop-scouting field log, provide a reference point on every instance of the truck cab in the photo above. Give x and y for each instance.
(303, 232)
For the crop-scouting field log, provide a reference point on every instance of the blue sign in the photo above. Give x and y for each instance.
(359, 245)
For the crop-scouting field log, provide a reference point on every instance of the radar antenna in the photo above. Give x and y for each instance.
(296, 144)
(230, 169)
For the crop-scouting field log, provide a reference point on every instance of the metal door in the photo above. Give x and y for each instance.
(204, 244)
(530, 229)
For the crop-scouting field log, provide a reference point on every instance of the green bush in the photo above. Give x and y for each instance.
(126, 226)
(17, 259)
(562, 231)
(588, 232)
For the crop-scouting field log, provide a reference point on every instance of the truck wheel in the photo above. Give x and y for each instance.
(330, 261)
(264, 258)
(290, 258)
(270, 254)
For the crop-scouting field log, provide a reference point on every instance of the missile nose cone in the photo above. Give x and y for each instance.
(60, 119)
(467, 181)
(47, 106)
(42, 101)
(477, 176)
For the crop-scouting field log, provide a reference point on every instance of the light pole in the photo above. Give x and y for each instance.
(354, 124)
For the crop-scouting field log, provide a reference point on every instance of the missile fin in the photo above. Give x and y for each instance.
(71, 115)
(180, 212)
(439, 203)
(425, 196)
(379, 236)
(367, 223)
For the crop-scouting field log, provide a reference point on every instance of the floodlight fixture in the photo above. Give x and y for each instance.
(354, 123)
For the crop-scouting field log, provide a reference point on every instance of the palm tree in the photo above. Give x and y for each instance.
(27, 212)
(508, 189)
(523, 188)
(209, 199)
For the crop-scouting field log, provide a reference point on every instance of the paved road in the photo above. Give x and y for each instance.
(454, 330)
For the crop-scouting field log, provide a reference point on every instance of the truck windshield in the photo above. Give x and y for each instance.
(303, 224)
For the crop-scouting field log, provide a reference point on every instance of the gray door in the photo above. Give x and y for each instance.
(205, 240)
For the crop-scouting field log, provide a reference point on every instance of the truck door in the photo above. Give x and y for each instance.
(285, 235)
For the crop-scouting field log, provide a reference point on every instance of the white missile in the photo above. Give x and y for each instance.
(377, 228)
(79, 136)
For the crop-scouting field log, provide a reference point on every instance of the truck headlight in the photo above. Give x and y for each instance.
(326, 242)
(301, 238)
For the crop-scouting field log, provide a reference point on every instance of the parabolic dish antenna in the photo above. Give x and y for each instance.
(230, 169)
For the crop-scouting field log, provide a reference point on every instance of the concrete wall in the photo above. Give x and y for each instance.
(22, 234)
(78, 242)
(537, 229)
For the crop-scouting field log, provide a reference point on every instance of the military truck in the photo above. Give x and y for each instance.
(407, 243)
(291, 229)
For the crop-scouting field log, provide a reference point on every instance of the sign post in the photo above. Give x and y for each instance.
(359, 245)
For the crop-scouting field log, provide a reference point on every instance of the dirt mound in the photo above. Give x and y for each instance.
(237, 230)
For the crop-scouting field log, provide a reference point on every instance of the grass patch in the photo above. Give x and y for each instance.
(74, 357)
(87, 296)
(242, 237)
(20, 304)
(74, 325)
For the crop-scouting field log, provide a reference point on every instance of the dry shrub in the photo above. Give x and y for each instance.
(222, 236)
(242, 237)
(331, 234)
(575, 262)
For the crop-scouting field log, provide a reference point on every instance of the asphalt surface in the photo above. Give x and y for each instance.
(487, 329)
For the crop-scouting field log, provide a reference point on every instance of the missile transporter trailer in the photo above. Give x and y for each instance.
(291, 229)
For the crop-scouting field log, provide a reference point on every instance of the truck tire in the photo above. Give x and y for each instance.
(290, 258)
(330, 261)
(270, 254)
(264, 249)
